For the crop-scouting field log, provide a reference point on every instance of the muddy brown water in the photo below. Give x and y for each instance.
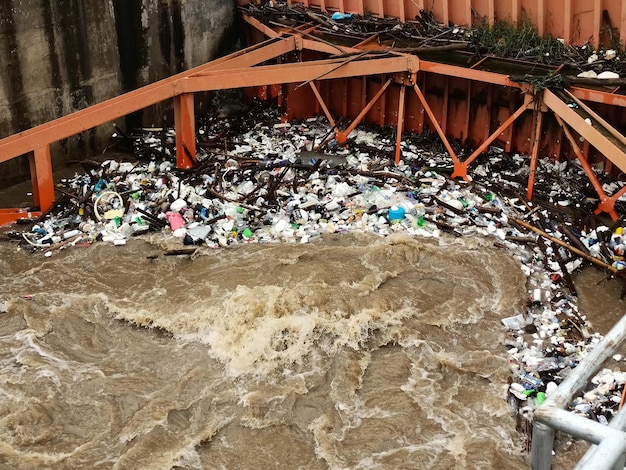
(354, 352)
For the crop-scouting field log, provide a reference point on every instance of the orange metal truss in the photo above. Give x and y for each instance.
(474, 105)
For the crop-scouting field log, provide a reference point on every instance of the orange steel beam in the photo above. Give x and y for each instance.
(254, 54)
(11, 215)
(468, 12)
(607, 204)
(322, 104)
(467, 73)
(184, 121)
(608, 147)
(318, 46)
(343, 62)
(307, 28)
(295, 72)
(483, 76)
(534, 156)
(41, 176)
(466, 117)
(366, 41)
(343, 136)
(79, 121)
(444, 104)
(382, 111)
(478, 75)
(597, 96)
(614, 132)
(462, 166)
(433, 120)
(269, 32)
(400, 123)
(275, 48)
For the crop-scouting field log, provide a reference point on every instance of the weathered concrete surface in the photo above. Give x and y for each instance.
(58, 56)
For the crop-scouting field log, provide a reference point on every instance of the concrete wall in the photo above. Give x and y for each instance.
(58, 56)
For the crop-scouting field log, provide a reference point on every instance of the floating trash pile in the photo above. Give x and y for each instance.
(280, 182)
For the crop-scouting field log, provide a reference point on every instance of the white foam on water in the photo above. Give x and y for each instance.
(360, 352)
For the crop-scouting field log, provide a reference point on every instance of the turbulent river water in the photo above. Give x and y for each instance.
(354, 352)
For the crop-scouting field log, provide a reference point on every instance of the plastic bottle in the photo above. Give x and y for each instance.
(395, 214)
(541, 397)
(530, 381)
(240, 217)
(619, 265)
(71, 233)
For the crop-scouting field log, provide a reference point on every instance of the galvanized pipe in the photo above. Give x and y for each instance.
(541, 447)
(573, 424)
(585, 370)
(594, 454)
(551, 414)
(607, 454)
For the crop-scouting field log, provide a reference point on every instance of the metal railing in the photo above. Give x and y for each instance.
(610, 449)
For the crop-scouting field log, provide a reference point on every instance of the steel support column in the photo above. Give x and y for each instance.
(613, 149)
(460, 170)
(594, 454)
(343, 136)
(41, 176)
(184, 119)
(542, 445)
(607, 204)
(458, 166)
(534, 155)
(400, 123)
(322, 104)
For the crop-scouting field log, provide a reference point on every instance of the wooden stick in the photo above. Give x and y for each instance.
(445, 47)
(565, 245)
(180, 252)
(573, 238)
(64, 242)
